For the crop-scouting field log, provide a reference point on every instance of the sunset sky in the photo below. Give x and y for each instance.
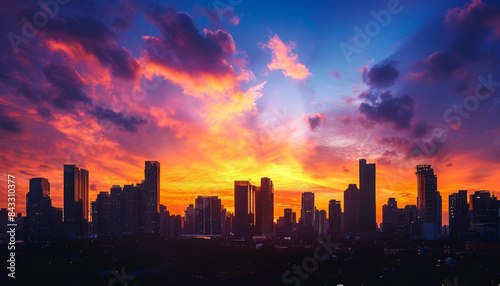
(283, 89)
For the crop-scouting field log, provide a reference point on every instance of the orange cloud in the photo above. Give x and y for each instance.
(284, 59)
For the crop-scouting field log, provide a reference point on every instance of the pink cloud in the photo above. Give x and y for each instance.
(284, 59)
(336, 74)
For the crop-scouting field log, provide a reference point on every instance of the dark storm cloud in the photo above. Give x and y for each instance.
(440, 65)
(69, 83)
(396, 110)
(29, 93)
(421, 129)
(473, 23)
(38, 97)
(9, 124)
(182, 47)
(97, 39)
(381, 75)
(129, 123)
(314, 120)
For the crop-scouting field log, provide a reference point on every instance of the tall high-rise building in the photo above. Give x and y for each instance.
(458, 212)
(410, 221)
(498, 221)
(189, 215)
(367, 207)
(175, 225)
(76, 202)
(308, 208)
(207, 215)
(38, 209)
(391, 218)
(149, 198)
(165, 222)
(335, 219)
(116, 210)
(428, 202)
(130, 208)
(56, 222)
(244, 210)
(259, 209)
(101, 215)
(288, 224)
(227, 223)
(320, 222)
(124, 210)
(265, 216)
(351, 211)
(484, 214)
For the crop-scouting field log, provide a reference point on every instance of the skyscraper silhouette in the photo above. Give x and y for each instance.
(367, 208)
(189, 219)
(244, 210)
(116, 201)
(335, 219)
(320, 222)
(101, 219)
(38, 209)
(391, 218)
(207, 215)
(351, 211)
(458, 212)
(264, 216)
(149, 198)
(484, 214)
(428, 202)
(130, 209)
(288, 224)
(307, 210)
(165, 222)
(76, 202)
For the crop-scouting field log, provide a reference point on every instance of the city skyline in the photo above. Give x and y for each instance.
(134, 211)
(238, 142)
(273, 99)
(255, 189)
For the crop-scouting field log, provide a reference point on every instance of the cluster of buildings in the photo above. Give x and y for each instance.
(130, 210)
(475, 219)
(134, 210)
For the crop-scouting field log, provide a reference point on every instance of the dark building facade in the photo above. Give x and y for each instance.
(189, 215)
(367, 198)
(335, 219)
(428, 203)
(399, 223)
(76, 202)
(458, 212)
(244, 210)
(264, 208)
(149, 200)
(320, 221)
(308, 209)
(124, 210)
(207, 215)
(287, 224)
(116, 199)
(164, 222)
(351, 211)
(391, 218)
(410, 221)
(130, 210)
(101, 215)
(484, 215)
(39, 209)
